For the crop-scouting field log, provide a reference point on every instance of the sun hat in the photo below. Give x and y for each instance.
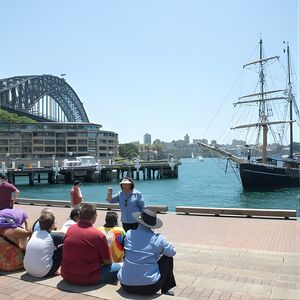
(125, 181)
(148, 218)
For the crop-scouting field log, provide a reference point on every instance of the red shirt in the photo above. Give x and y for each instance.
(6, 190)
(76, 197)
(84, 249)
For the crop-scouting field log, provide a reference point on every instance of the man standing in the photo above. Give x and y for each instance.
(8, 193)
(86, 257)
(76, 195)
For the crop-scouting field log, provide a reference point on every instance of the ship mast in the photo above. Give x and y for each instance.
(262, 105)
(263, 122)
(290, 97)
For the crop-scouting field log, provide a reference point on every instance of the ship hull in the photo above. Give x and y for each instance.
(262, 176)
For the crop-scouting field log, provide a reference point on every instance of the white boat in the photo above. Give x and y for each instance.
(200, 158)
(81, 162)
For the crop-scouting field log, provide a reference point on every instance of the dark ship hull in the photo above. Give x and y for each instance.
(262, 176)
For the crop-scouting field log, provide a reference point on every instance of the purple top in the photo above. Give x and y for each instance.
(12, 218)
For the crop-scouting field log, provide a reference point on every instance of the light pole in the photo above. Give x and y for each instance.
(53, 160)
(110, 154)
(7, 159)
(148, 152)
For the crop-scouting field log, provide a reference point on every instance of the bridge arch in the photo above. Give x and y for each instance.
(44, 97)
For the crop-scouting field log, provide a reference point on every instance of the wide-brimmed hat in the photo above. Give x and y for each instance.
(125, 181)
(148, 218)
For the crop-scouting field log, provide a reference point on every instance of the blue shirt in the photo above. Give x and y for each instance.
(133, 202)
(142, 250)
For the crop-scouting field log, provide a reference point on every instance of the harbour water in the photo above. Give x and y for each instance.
(200, 183)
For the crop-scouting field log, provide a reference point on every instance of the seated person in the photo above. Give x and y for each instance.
(36, 224)
(14, 226)
(114, 235)
(14, 232)
(86, 258)
(73, 219)
(44, 250)
(148, 262)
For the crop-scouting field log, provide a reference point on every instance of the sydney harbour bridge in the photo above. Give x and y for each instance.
(44, 98)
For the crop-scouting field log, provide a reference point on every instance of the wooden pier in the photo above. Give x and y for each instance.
(33, 174)
(104, 173)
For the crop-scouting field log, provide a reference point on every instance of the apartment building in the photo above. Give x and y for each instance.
(59, 140)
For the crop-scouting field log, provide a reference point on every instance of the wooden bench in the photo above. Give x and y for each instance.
(61, 203)
(248, 212)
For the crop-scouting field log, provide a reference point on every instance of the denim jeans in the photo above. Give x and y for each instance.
(109, 273)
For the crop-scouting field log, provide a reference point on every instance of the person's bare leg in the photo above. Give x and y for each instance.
(18, 235)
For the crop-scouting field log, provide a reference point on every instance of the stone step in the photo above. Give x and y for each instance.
(212, 272)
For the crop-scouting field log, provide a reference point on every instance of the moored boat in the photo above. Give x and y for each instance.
(267, 172)
(81, 162)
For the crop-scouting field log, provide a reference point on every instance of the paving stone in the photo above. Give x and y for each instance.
(221, 258)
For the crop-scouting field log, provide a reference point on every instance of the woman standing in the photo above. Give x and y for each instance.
(130, 201)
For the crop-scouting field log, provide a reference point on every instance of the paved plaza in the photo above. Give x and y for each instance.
(217, 258)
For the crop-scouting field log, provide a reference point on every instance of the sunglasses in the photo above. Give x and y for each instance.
(126, 200)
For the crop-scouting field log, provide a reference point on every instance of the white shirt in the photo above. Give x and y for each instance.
(66, 226)
(38, 256)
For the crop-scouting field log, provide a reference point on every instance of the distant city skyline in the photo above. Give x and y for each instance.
(164, 67)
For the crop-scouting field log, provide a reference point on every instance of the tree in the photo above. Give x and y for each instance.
(6, 117)
(157, 146)
(128, 150)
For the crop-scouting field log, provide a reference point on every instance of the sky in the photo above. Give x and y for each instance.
(164, 67)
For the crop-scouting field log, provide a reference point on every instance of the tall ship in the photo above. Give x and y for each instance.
(274, 108)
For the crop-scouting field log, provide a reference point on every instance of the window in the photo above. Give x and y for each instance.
(14, 142)
(60, 142)
(82, 142)
(71, 134)
(72, 142)
(49, 142)
(49, 149)
(83, 149)
(35, 142)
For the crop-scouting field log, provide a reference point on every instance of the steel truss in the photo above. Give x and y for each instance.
(44, 96)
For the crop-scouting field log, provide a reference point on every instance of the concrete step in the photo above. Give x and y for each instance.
(225, 273)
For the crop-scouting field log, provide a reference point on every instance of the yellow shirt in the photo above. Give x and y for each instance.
(115, 238)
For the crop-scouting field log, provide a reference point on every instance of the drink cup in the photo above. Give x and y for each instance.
(109, 191)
